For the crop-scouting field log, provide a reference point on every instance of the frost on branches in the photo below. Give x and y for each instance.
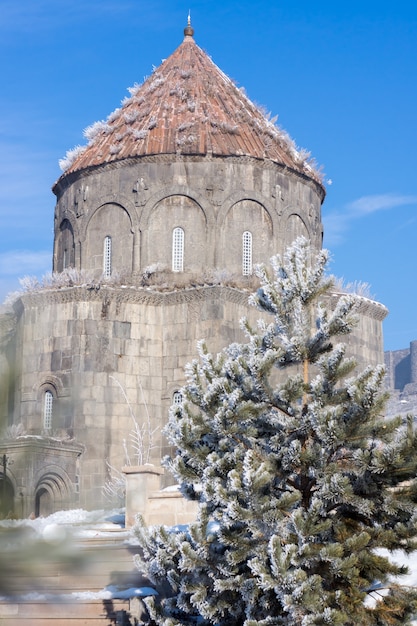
(303, 486)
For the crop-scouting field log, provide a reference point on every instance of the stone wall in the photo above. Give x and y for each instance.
(113, 356)
(401, 366)
(401, 380)
(139, 202)
(110, 356)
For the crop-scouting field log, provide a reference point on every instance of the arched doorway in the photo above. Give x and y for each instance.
(44, 502)
(52, 493)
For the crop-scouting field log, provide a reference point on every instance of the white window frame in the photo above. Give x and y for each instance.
(48, 404)
(177, 398)
(247, 253)
(107, 256)
(178, 249)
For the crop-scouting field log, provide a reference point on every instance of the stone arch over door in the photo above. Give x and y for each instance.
(53, 492)
(244, 216)
(110, 220)
(170, 213)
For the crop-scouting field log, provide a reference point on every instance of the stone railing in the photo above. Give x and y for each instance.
(145, 497)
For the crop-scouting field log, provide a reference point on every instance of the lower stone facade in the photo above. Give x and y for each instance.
(93, 371)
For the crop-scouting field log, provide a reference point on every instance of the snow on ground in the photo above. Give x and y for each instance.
(411, 562)
(76, 523)
(111, 592)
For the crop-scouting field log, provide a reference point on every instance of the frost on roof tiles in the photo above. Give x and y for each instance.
(187, 106)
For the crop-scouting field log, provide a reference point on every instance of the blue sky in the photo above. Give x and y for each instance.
(341, 76)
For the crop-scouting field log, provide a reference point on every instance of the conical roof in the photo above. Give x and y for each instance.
(187, 106)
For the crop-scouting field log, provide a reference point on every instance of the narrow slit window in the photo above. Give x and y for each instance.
(107, 257)
(47, 410)
(178, 250)
(247, 253)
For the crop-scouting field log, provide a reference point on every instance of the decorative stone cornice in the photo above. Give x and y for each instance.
(152, 297)
(38, 443)
(67, 180)
(134, 295)
(370, 308)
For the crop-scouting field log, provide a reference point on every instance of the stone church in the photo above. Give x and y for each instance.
(158, 222)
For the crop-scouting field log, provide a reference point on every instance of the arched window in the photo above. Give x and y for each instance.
(177, 397)
(107, 257)
(66, 247)
(247, 253)
(177, 250)
(48, 401)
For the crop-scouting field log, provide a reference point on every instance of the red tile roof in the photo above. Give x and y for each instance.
(187, 106)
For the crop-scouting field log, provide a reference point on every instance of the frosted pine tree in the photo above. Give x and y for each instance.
(304, 489)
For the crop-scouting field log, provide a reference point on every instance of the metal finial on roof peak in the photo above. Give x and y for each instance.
(189, 30)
